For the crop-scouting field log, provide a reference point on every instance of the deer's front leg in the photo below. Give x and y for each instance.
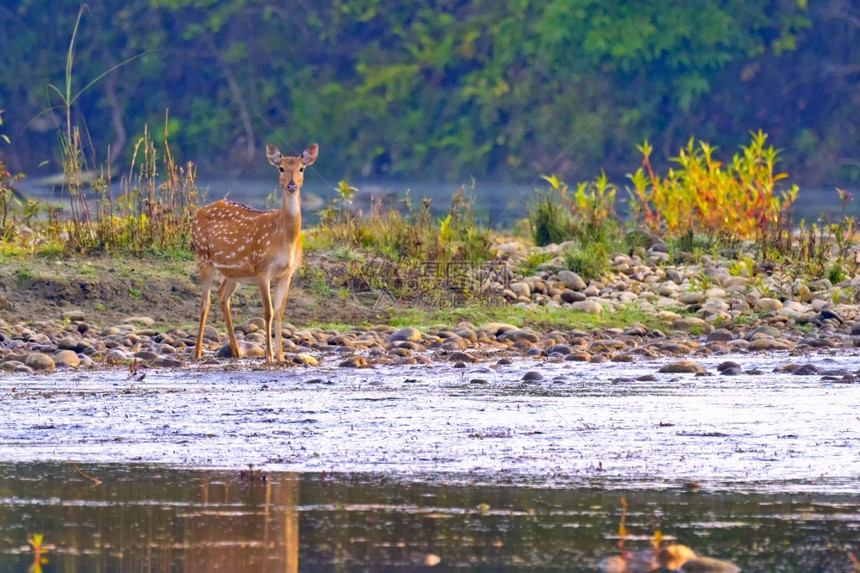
(207, 274)
(282, 289)
(268, 314)
(228, 287)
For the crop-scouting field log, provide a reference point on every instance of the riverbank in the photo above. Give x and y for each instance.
(120, 311)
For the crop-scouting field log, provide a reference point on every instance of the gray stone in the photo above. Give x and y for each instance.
(569, 295)
(562, 349)
(461, 357)
(246, 350)
(770, 344)
(167, 363)
(691, 324)
(767, 305)
(683, 366)
(766, 330)
(39, 361)
(588, 306)
(691, 297)
(11, 365)
(145, 355)
(521, 289)
(721, 335)
(571, 280)
(674, 276)
(67, 358)
(117, 356)
(496, 328)
(209, 333)
(354, 362)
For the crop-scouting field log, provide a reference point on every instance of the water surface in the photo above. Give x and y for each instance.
(483, 423)
(151, 518)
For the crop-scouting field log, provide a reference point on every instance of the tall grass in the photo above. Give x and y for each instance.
(587, 214)
(152, 211)
(406, 251)
(10, 204)
(406, 233)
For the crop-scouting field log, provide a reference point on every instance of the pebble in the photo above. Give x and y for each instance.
(683, 366)
(571, 280)
(733, 315)
(39, 361)
(708, 565)
(354, 362)
(66, 358)
(246, 350)
(767, 305)
(405, 334)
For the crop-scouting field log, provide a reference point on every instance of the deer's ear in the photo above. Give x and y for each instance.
(309, 155)
(274, 155)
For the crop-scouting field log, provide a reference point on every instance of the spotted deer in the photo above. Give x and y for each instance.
(247, 245)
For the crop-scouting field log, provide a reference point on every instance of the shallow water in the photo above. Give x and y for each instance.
(381, 469)
(149, 518)
(580, 424)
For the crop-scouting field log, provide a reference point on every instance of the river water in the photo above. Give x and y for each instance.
(151, 518)
(495, 204)
(386, 468)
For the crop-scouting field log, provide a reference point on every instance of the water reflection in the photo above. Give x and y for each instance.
(155, 519)
(148, 519)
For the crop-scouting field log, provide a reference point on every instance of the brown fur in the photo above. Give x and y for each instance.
(243, 244)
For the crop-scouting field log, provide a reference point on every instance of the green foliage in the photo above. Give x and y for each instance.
(821, 248)
(404, 251)
(14, 212)
(411, 234)
(836, 274)
(735, 202)
(411, 88)
(590, 260)
(588, 214)
(533, 260)
(549, 218)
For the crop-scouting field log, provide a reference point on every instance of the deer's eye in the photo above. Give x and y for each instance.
(301, 169)
(281, 169)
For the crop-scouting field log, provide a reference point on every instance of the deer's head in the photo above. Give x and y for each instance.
(292, 169)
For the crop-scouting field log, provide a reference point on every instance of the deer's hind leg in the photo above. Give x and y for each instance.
(228, 287)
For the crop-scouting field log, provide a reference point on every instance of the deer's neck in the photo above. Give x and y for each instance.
(290, 215)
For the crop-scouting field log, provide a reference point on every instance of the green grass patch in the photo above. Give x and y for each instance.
(533, 260)
(540, 318)
(590, 261)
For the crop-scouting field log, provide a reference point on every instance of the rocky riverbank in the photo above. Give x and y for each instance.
(704, 307)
